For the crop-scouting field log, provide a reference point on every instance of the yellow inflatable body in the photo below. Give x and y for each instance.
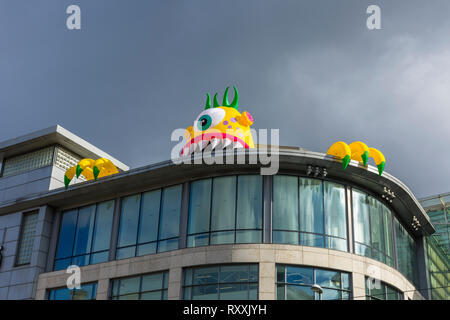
(90, 169)
(358, 151)
(220, 126)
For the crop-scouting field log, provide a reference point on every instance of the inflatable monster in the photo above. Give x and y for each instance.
(90, 169)
(358, 151)
(219, 127)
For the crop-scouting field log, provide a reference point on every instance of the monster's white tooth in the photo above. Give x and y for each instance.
(214, 143)
(237, 145)
(226, 142)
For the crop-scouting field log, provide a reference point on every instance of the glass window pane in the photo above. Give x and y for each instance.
(406, 252)
(127, 252)
(249, 206)
(387, 232)
(253, 291)
(311, 205)
(152, 282)
(133, 296)
(99, 257)
(223, 203)
(234, 273)
(198, 240)
(168, 245)
(280, 292)
(85, 227)
(285, 203)
(391, 294)
(361, 217)
(81, 260)
(378, 291)
(312, 240)
(156, 295)
(145, 249)
(298, 275)
(206, 275)
(129, 216)
(248, 236)
(67, 234)
(336, 243)
(328, 278)
(237, 291)
(363, 250)
(85, 293)
(287, 237)
(330, 294)
(376, 225)
(335, 210)
(222, 237)
(199, 206)
(62, 264)
(187, 292)
(188, 277)
(254, 272)
(170, 212)
(103, 226)
(148, 230)
(281, 273)
(27, 238)
(345, 281)
(209, 292)
(61, 294)
(129, 285)
(294, 292)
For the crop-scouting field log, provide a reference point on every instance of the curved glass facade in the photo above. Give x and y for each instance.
(372, 225)
(284, 209)
(309, 212)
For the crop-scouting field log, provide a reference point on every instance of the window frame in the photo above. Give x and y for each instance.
(218, 283)
(235, 230)
(163, 290)
(20, 241)
(349, 291)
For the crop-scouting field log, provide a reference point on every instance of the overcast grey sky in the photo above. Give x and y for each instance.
(139, 69)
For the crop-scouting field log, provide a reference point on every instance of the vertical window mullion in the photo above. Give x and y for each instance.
(235, 208)
(210, 209)
(92, 233)
(138, 225)
(74, 235)
(159, 219)
(323, 215)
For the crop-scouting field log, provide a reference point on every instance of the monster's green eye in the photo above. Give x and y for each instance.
(204, 122)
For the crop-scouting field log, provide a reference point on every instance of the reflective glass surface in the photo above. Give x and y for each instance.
(85, 235)
(221, 282)
(295, 283)
(146, 287)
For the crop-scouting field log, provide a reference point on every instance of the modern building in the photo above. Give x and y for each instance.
(438, 258)
(207, 231)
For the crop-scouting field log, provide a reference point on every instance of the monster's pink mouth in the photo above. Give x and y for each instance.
(216, 140)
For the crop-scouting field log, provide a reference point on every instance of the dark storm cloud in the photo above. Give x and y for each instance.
(139, 69)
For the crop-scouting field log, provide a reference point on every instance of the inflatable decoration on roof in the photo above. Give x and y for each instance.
(90, 169)
(219, 127)
(358, 151)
